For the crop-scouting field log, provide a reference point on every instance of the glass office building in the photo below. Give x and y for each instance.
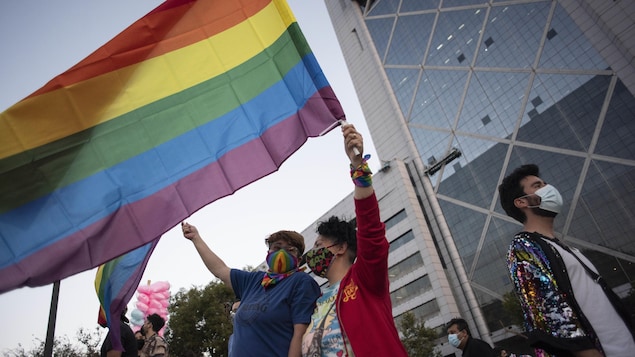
(505, 83)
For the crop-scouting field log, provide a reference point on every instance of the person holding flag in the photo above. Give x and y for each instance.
(276, 305)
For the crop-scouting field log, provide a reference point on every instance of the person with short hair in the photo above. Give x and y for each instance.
(155, 345)
(353, 316)
(569, 310)
(459, 336)
(276, 305)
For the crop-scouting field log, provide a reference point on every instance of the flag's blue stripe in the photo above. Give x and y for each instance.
(69, 209)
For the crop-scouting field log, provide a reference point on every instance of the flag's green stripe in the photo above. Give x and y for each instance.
(40, 171)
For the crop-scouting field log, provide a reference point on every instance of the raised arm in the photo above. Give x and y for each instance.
(353, 140)
(213, 263)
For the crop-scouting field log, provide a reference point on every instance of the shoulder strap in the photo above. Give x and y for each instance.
(610, 294)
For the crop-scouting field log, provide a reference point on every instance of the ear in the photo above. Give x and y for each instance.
(341, 248)
(520, 202)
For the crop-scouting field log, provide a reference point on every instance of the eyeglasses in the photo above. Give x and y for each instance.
(274, 247)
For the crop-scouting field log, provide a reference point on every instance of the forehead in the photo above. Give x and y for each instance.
(529, 181)
(453, 329)
(321, 241)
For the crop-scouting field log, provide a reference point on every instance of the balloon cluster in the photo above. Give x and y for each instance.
(151, 299)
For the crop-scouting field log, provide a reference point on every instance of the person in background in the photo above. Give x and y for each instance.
(232, 312)
(460, 337)
(276, 305)
(155, 345)
(141, 339)
(353, 316)
(569, 310)
(127, 340)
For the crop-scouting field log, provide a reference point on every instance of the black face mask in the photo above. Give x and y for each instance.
(140, 344)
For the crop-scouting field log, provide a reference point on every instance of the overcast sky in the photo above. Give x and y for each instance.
(40, 39)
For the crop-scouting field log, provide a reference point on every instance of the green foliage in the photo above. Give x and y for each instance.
(199, 321)
(62, 346)
(418, 340)
(512, 307)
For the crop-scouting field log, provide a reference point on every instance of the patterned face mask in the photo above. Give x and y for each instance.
(319, 260)
(281, 261)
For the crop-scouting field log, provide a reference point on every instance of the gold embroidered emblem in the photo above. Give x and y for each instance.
(350, 291)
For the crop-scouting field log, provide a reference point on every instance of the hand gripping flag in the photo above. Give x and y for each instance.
(115, 283)
(190, 103)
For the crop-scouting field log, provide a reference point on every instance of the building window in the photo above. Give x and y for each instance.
(392, 221)
(421, 312)
(401, 240)
(411, 290)
(405, 266)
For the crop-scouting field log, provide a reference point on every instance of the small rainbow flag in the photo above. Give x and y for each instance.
(116, 282)
(190, 103)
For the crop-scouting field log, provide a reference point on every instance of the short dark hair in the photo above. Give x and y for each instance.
(460, 323)
(340, 231)
(157, 322)
(510, 189)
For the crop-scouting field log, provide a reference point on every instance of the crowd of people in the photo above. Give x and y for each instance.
(568, 309)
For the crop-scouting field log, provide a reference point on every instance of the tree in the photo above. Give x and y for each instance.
(199, 321)
(512, 307)
(418, 340)
(62, 346)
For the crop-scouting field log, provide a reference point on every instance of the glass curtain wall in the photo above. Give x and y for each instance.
(510, 83)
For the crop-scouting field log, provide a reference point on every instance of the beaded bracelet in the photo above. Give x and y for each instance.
(362, 176)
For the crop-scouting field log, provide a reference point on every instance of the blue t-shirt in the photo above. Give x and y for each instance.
(263, 324)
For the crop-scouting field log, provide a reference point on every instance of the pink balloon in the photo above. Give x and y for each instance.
(164, 302)
(155, 304)
(158, 296)
(166, 294)
(152, 310)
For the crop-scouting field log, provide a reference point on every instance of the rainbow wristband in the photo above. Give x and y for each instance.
(362, 176)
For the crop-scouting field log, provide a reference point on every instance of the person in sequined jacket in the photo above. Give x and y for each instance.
(566, 310)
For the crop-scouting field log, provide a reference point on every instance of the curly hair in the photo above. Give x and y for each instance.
(340, 231)
(510, 189)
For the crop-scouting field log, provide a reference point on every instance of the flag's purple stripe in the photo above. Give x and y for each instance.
(128, 228)
(85, 202)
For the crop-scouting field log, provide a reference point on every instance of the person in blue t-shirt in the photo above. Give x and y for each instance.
(276, 305)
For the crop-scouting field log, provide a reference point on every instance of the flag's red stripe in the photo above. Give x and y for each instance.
(167, 28)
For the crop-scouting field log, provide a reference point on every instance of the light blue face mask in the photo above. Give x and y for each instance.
(454, 340)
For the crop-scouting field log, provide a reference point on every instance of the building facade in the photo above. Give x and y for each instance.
(504, 83)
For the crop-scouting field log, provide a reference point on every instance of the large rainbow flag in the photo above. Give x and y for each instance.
(190, 103)
(116, 282)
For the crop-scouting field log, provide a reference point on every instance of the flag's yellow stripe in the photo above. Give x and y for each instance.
(51, 116)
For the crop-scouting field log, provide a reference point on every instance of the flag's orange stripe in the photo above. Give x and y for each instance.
(159, 32)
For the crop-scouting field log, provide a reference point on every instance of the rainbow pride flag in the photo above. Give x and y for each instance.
(187, 105)
(116, 282)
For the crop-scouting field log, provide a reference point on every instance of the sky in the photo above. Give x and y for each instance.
(40, 39)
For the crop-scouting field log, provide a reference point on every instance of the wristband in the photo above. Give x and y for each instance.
(362, 176)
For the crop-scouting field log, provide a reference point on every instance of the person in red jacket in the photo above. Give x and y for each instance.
(353, 316)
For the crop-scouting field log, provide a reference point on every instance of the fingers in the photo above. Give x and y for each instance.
(352, 139)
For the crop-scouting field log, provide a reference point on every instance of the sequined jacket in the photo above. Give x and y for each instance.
(553, 319)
